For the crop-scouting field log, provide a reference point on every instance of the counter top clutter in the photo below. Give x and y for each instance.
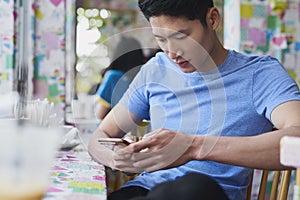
(33, 167)
(75, 176)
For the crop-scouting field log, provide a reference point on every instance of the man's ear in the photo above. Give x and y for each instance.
(213, 18)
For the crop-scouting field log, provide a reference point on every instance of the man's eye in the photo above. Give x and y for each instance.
(161, 40)
(181, 37)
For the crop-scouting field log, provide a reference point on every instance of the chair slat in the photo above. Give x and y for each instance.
(279, 191)
(284, 185)
(275, 182)
(263, 185)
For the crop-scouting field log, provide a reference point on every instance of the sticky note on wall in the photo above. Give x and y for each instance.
(297, 46)
(260, 10)
(273, 22)
(53, 90)
(247, 11)
(257, 36)
(4, 76)
(279, 6)
(9, 62)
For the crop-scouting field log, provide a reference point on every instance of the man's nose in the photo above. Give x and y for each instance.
(173, 55)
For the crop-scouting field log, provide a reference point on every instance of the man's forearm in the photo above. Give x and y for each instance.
(262, 151)
(100, 153)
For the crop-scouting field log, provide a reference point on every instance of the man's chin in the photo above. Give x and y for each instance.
(188, 70)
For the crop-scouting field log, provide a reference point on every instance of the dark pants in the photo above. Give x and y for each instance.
(193, 186)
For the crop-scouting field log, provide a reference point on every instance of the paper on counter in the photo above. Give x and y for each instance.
(70, 139)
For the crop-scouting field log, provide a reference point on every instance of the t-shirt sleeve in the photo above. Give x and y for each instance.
(272, 86)
(105, 91)
(136, 99)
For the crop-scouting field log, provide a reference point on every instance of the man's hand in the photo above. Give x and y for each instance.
(158, 150)
(123, 162)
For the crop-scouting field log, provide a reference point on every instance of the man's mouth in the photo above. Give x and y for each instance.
(183, 64)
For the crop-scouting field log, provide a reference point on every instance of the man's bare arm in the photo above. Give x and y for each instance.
(115, 125)
(262, 151)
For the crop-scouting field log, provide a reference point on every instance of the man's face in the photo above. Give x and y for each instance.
(185, 41)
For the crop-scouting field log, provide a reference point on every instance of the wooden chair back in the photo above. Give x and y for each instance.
(280, 185)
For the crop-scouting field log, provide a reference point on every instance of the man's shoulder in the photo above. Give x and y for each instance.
(252, 60)
(248, 57)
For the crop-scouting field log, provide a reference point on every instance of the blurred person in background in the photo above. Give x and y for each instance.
(128, 56)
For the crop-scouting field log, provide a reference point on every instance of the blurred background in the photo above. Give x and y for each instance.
(53, 52)
(57, 49)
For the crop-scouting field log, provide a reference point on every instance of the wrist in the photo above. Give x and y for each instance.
(196, 148)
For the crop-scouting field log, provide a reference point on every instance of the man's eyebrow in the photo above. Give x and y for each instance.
(173, 34)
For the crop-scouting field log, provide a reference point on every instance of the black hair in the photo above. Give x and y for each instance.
(191, 9)
(128, 56)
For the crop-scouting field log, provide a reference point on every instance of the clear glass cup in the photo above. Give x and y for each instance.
(27, 153)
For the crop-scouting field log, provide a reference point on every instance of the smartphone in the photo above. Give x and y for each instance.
(126, 141)
(112, 140)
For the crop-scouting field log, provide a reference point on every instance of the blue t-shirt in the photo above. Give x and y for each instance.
(235, 99)
(112, 88)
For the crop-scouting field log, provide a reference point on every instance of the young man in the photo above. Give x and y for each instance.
(212, 110)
